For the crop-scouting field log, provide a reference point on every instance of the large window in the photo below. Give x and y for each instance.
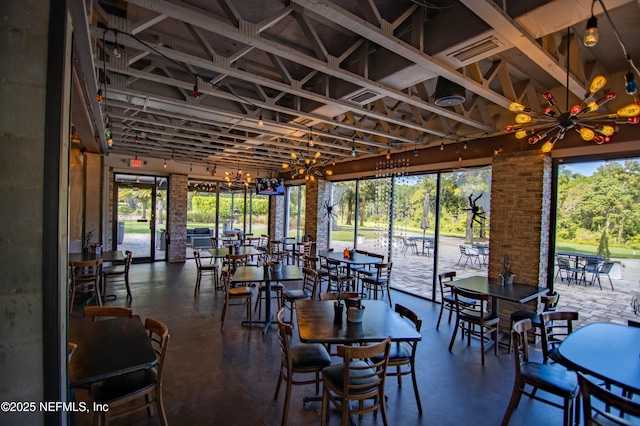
(296, 211)
(597, 234)
(396, 214)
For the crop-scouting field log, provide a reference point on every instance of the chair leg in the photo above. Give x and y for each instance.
(513, 403)
(325, 406)
(224, 314)
(126, 283)
(287, 397)
(440, 316)
(453, 336)
(415, 388)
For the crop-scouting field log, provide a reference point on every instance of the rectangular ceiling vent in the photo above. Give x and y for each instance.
(303, 122)
(363, 97)
(479, 50)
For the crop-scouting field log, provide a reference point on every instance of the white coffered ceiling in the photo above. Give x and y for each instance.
(345, 73)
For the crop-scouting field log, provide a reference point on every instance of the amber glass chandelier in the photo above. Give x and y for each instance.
(554, 123)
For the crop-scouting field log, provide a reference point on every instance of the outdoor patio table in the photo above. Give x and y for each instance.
(427, 244)
(576, 259)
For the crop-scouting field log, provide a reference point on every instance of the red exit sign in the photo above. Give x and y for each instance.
(135, 163)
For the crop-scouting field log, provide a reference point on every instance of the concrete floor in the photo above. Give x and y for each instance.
(228, 378)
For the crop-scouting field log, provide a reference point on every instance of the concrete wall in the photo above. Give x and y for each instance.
(23, 95)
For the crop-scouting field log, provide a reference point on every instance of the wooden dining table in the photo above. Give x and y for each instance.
(355, 259)
(610, 352)
(106, 256)
(222, 252)
(518, 293)
(317, 324)
(258, 274)
(108, 348)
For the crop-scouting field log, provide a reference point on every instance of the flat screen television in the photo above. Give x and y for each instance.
(270, 186)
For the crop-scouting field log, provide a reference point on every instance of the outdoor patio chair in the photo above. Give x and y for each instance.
(407, 245)
(469, 254)
(566, 270)
(603, 269)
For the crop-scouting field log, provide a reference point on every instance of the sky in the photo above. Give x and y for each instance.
(587, 169)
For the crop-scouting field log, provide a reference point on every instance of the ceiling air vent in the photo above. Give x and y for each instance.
(477, 49)
(364, 96)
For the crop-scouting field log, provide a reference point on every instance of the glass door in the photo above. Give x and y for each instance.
(136, 198)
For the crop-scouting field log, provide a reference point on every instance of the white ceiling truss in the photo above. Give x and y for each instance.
(346, 74)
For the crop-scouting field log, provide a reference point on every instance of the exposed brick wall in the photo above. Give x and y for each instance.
(316, 223)
(177, 217)
(520, 212)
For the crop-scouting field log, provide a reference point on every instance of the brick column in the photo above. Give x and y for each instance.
(276, 217)
(177, 218)
(520, 212)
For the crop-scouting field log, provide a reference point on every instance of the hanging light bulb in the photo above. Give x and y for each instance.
(591, 37)
(196, 92)
(388, 156)
(207, 171)
(190, 168)
(631, 87)
(260, 120)
(110, 141)
(165, 164)
(310, 141)
(136, 140)
(415, 150)
(441, 146)
(99, 96)
(353, 151)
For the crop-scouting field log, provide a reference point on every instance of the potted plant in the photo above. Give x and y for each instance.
(507, 275)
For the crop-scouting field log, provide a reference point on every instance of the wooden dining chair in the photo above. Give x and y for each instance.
(85, 278)
(380, 283)
(602, 407)
(95, 312)
(210, 269)
(402, 355)
(475, 320)
(118, 272)
(306, 358)
(308, 291)
(549, 303)
(448, 300)
(237, 296)
(338, 278)
(138, 390)
(552, 379)
(356, 380)
(555, 327)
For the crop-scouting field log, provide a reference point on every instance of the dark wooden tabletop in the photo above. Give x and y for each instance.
(316, 324)
(252, 274)
(106, 256)
(223, 251)
(519, 293)
(608, 351)
(108, 348)
(357, 259)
